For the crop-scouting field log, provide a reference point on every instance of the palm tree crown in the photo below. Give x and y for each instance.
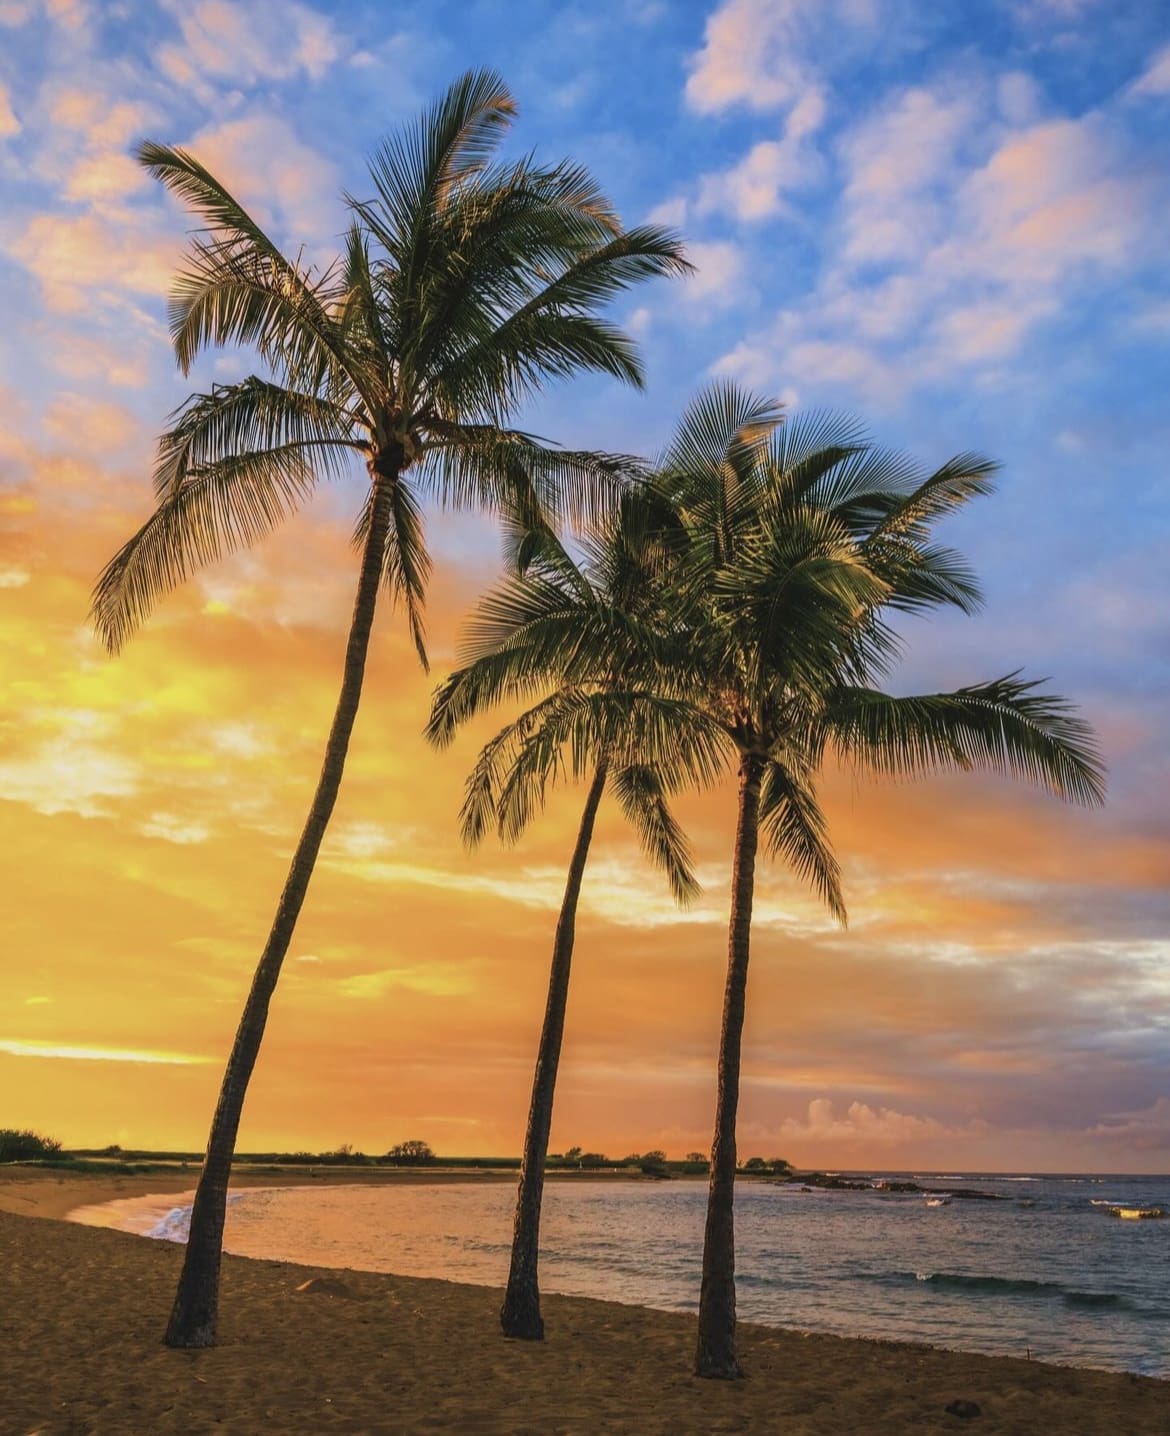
(465, 284)
(594, 641)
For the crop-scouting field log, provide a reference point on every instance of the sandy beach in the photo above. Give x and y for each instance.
(82, 1311)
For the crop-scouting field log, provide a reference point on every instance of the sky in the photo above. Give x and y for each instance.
(948, 220)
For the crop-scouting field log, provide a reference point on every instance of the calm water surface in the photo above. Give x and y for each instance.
(1048, 1271)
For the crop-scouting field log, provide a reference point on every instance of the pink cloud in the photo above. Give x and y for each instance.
(756, 52)
(9, 124)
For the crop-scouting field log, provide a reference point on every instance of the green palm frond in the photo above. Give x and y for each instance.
(1002, 726)
(253, 416)
(712, 468)
(238, 288)
(406, 564)
(957, 482)
(511, 472)
(360, 318)
(199, 190)
(463, 286)
(416, 171)
(567, 733)
(639, 791)
(924, 577)
(796, 601)
(211, 513)
(795, 831)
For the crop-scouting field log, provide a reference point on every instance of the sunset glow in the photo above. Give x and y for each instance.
(965, 265)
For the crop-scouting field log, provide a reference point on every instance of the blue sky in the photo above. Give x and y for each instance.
(949, 219)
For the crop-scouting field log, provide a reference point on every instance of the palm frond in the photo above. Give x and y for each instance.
(956, 483)
(252, 416)
(509, 471)
(795, 831)
(212, 513)
(1001, 726)
(639, 791)
(406, 564)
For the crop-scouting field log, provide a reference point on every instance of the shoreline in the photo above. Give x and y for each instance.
(40, 1192)
(82, 1310)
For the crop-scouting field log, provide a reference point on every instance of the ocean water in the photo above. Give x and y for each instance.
(1048, 1272)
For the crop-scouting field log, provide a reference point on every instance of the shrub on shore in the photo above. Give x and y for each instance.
(27, 1146)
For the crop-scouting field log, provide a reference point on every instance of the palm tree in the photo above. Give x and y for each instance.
(598, 635)
(464, 284)
(803, 537)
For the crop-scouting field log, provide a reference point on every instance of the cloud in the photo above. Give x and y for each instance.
(671, 212)
(94, 259)
(173, 829)
(896, 165)
(860, 1123)
(281, 181)
(752, 189)
(80, 424)
(433, 979)
(756, 52)
(74, 770)
(1145, 1130)
(363, 839)
(247, 44)
(98, 117)
(1153, 317)
(14, 577)
(719, 268)
(77, 1053)
(124, 361)
(9, 124)
(68, 14)
(956, 237)
(1155, 79)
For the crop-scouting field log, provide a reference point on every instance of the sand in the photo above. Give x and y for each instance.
(82, 1311)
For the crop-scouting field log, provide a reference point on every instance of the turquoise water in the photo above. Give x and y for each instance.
(1047, 1272)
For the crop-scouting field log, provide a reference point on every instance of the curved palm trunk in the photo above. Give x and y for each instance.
(715, 1352)
(520, 1314)
(193, 1317)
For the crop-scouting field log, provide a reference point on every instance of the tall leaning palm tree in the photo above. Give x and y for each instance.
(598, 635)
(804, 538)
(465, 283)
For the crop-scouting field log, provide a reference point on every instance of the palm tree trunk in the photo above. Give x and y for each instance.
(193, 1317)
(520, 1314)
(715, 1353)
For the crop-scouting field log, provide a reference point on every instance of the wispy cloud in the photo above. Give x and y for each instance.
(70, 1052)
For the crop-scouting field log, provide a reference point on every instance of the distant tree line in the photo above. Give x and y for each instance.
(29, 1146)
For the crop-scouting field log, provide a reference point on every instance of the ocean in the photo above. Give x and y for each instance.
(1048, 1272)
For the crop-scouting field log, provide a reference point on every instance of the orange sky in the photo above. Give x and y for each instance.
(150, 805)
(971, 266)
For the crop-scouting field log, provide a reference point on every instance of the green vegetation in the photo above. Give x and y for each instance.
(410, 1154)
(26, 1146)
(30, 1149)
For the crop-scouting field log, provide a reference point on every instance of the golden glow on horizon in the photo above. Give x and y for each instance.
(150, 802)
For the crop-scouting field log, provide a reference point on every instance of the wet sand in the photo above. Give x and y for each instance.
(82, 1312)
